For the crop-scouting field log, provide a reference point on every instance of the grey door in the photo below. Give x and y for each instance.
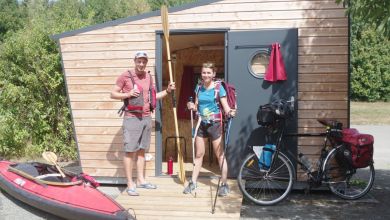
(246, 59)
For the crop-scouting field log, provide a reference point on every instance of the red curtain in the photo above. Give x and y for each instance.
(186, 91)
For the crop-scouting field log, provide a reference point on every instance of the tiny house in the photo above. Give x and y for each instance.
(237, 36)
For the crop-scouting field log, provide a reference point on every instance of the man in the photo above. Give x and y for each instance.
(137, 125)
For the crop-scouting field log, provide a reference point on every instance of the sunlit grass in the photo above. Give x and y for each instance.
(366, 113)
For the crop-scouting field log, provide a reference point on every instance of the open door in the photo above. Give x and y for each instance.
(189, 50)
(247, 59)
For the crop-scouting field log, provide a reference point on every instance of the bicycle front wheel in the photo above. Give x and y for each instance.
(345, 182)
(266, 187)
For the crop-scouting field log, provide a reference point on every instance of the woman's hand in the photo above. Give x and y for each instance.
(232, 113)
(191, 106)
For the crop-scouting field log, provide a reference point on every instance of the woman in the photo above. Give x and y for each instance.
(211, 125)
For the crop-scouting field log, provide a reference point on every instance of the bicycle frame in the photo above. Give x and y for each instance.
(324, 152)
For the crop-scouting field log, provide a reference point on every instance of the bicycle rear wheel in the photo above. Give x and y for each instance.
(345, 182)
(266, 187)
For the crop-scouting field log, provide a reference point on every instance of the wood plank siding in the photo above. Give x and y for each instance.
(93, 59)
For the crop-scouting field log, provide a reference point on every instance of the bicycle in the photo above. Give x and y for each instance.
(270, 186)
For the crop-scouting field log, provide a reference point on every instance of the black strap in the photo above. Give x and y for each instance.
(131, 77)
(151, 82)
(123, 108)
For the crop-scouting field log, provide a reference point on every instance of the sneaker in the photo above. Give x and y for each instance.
(190, 187)
(147, 186)
(223, 190)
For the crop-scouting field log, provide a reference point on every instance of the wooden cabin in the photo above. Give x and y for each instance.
(235, 34)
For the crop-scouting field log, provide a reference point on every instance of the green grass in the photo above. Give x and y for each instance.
(367, 113)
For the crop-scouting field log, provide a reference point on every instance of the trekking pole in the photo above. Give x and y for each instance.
(192, 132)
(227, 132)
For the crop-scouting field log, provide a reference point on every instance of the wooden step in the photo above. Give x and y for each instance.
(168, 200)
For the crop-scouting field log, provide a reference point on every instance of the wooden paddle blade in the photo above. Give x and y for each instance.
(50, 157)
(164, 20)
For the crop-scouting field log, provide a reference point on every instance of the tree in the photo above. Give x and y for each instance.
(370, 46)
(34, 111)
(156, 4)
(103, 11)
(375, 12)
(12, 16)
(370, 62)
(34, 114)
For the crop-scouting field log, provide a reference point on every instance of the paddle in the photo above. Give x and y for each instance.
(164, 19)
(52, 158)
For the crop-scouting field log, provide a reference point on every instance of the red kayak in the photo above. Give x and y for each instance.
(70, 197)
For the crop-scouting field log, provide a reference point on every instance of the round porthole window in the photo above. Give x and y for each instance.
(258, 64)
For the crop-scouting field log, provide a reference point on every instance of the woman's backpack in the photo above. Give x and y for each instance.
(231, 95)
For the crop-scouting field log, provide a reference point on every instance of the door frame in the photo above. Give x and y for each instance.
(158, 77)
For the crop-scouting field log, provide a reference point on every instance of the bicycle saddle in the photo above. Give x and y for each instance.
(331, 123)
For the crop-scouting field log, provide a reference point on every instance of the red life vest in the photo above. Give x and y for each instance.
(136, 104)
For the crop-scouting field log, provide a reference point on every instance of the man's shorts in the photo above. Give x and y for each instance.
(210, 129)
(136, 133)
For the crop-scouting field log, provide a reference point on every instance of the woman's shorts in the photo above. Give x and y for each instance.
(136, 133)
(210, 129)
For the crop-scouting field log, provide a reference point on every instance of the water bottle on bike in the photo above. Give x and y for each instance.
(307, 165)
(266, 156)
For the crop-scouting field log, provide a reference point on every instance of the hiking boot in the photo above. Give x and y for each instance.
(190, 187)
(223, 190)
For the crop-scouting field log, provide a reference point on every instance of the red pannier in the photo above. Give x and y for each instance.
(361, 145)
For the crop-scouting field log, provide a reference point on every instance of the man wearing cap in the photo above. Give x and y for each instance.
(137, 126)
